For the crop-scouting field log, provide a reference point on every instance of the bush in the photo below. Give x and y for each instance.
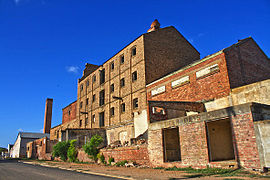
(101, 157)
(72, 152)
(121, 163)
(111, 159)
(60, 150)
(91, 147)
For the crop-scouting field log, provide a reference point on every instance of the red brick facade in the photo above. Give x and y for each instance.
(138, 154)
(214, 85)
(69, 112)
(194, 144)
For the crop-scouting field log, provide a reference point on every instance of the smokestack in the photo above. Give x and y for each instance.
(48, 116)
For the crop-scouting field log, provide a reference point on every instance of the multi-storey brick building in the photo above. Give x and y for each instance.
(113, 95)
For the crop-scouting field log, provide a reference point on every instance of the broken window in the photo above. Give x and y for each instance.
(80, 124)
(101, 119)
(102, 76)
(112, 111)
(112, 88)
(81, 87)
(158, 110)
(134, 76)
(81, 104)
(171, 144)
(219, 137)
(112, 66)
(122, 59)
(133, 51)
(122, 82)
(123, 107)
(135, 103)
(94, 78)
(87, 83)
(101, 97)
(87, 101)
(93, 118)
(93, 98)
(86, 121)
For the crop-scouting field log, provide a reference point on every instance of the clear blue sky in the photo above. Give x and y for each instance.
(44, 44)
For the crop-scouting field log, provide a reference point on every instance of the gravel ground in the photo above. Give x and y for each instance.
(128, 172)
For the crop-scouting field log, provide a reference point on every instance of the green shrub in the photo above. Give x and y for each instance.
(91, 147)
(60, 150)
(72, 151)
(101, 157)
(121, 163)
(111, 159)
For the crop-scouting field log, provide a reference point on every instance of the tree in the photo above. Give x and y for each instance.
(91, 147)
(60, 150)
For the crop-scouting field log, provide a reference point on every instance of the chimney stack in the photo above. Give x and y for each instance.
(48, 116)
(154, 26)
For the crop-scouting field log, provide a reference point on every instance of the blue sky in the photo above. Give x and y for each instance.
(44, 44)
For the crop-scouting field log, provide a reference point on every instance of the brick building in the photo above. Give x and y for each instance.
(214, 76)
(113, 95)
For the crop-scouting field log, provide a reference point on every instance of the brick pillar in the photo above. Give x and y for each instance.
(48, 115)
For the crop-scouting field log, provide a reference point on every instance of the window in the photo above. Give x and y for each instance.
(112, 66)
(134, 76)
(133, 51)
(80, 123)
(94, 78)
(102, 76)
(81, 87)
(93, 98)
(122, 59)
(69, 112)
(87, 101)
(123, 107)
(93, 118)
(101, 97)
(135, 103)
(112, 87)
(112, 111)
(81, 105)
(86, 121)
(122, 82)
(101, 119)
(87, 83)
(171, 144)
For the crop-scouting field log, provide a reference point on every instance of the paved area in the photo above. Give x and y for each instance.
(14, 170)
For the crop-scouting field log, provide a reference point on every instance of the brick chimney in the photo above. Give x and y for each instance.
(154, 26)
(48, 116)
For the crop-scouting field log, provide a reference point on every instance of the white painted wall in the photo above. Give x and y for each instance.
(140, 122)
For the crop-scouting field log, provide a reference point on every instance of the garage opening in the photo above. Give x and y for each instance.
(171, 145)
(219, 137)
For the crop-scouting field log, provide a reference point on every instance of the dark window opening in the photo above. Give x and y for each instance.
(87, 83)
(122, 59)
(134, 76)
(94, 78)
(93, 98)
(122, 82)
(219, 138)
(102, 76)
(93, 118)
(86, 121)
(112, 111)
(133, 51)
(171, 145)
(81, 105)
(101, 97)
(69, 112)
(112, 87)
(135, 103)
(101, 119)
(80, 123)
(123, 107)
(81, 87)
(112, 66)
(87, 101)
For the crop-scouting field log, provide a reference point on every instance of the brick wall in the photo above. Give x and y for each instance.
(193, 139)
(246, 63)
(214, 85)
(69, 112)
(245, 141)
(139, 154)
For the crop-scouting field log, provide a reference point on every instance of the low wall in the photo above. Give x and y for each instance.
(138, 154)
